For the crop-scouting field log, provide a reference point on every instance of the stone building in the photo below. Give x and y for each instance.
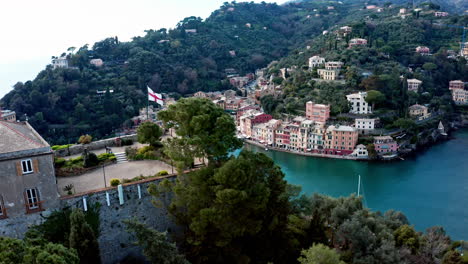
(27, 174)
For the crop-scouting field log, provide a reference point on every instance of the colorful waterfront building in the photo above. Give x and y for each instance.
(283, 136)
(251, 118)
(340, 140)
(385, 144)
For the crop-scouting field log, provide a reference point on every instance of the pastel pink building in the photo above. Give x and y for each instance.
(457, 84)
(250, 119)
(423, 50)
(317, 112)
(385, 144)
(357, 42)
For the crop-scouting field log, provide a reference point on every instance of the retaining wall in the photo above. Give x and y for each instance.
(100, 144)
(115, 242)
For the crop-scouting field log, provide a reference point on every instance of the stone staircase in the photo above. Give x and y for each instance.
(121, 157)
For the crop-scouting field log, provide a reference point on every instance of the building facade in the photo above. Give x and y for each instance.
(423, 50)
(364, 125)
(359, 104)
(418, 111)
(317, 112)
(334, 65)
(385, 144)
(457, 84)
(414, 84)
(340, 140)
(7, 115)
(27, 171)
(460, 96)
(329, 75)
(61, 62)
(316, 61)
(357, 42)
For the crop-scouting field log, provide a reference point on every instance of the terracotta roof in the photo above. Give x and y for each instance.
(19, 136)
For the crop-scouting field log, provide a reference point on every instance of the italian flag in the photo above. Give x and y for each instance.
(155, 97)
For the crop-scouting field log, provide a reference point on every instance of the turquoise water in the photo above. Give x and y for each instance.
(430, 189)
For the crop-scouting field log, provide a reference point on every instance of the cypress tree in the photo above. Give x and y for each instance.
(83, 239)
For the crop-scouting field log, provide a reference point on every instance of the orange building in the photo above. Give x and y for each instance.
(340, 140)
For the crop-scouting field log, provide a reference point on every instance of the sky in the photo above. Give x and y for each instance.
(31, 31)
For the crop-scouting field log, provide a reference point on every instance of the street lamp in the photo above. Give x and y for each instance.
(104, 173)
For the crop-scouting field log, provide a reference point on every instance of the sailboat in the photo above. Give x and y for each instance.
(359, 191)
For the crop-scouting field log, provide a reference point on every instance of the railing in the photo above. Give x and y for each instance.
(37, 207)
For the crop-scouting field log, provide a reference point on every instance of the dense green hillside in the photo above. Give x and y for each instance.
(63, 103)
(389, 59)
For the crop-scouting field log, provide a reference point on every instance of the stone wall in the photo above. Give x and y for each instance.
(100, 144)
(114, 241)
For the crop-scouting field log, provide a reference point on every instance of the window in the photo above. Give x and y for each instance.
(33, 204)
(26, 166)
(3, 214)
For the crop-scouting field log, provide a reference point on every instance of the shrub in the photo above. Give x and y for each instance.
(85, 139)
(127, 142)
(162, 173)
(59, 147)
(90, 160)
(59, 162)
(114, 182)
(106, 156)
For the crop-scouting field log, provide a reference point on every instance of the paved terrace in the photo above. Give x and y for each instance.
(95, 179)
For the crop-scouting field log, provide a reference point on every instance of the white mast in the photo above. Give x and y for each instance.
(359, 186)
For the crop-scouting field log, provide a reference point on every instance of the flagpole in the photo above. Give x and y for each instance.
(147, 103)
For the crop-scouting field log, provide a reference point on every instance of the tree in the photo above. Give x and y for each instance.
(83, 239)
(320, 254)
(155, 245)
(404, 123)
(374, 97)
(150, 133)
(452, 257)
(204, 130)
(239, 211)
(35, 252)
(406, 236)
